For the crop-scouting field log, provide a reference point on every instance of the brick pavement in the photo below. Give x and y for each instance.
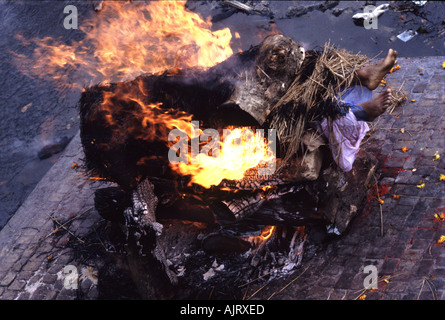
(410, 263)
(56, 229)
(35, 243)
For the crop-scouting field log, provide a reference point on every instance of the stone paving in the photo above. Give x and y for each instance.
(33, 256)
(35, 114)
(52, 248)
(409, 260)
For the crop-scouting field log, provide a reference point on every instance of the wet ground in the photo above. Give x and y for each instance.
(313, 23)
(35, 115)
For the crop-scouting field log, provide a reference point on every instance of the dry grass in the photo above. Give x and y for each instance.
(314, 94)
(398, 98)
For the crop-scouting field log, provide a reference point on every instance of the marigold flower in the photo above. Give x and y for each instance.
(439, 216)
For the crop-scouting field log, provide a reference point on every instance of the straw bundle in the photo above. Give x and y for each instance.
(398, 97)
(314, 94)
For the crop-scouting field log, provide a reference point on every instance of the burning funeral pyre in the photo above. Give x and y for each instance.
(220, 171)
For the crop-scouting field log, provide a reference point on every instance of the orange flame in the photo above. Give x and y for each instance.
(267, 232)
(240, 150)
(265, 235)
(126, 40)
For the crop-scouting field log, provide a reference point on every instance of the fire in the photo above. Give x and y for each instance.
(267, 232)
(127, 39)
(265, 235)
(240, 150)
(157, 121)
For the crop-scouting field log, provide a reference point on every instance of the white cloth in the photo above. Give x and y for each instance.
(348, 135)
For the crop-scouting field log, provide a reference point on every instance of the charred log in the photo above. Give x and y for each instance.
(111, 203)
(238, 91)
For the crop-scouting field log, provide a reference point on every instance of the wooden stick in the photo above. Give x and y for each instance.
(62, 226)
(262, 72)
(381, 220)
(68, 221)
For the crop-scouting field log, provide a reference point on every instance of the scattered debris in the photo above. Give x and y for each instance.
(181, 271)
(305, 7)
(98, 5)
(377, 12)
(212, 271)
(407, 35)
(209, 274)
(239, 5)
(25, 108)
(420, 3)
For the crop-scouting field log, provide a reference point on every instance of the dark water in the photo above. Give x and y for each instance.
(336, 25)
(34, 114)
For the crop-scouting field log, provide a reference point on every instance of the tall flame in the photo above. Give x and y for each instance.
(127, 39)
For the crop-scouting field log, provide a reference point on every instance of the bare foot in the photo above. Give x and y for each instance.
(377, 105)
(371, 76)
